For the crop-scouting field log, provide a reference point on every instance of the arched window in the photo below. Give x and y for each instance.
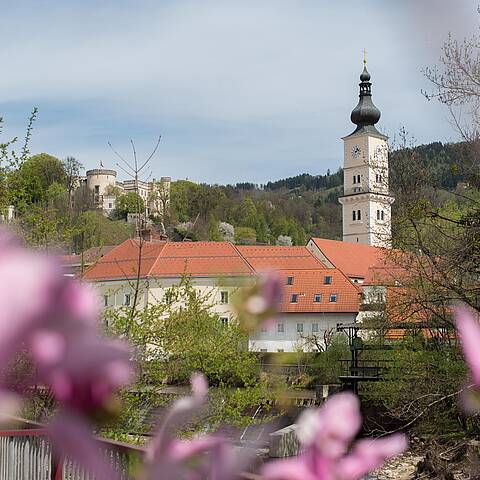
(354, 215)
(359, 215)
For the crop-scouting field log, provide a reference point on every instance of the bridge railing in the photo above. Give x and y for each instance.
(27, 453)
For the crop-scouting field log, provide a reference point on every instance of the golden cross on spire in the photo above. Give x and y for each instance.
(365, 56)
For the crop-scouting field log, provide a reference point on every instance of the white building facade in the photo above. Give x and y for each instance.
(315, 299)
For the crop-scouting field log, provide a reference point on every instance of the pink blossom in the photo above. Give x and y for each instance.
(72, 437)
(201, 457)
(57, 319)
(30, 284)
(259, 303)
(468, 328)
(325, 436)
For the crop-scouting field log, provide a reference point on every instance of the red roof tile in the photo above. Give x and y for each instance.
(216, 259)
(169, 259)
(353, 259)
(200, 259)
(263, 258)
(308, 283)
(122, 261)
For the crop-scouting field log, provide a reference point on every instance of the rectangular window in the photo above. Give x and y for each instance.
(289, 280)
(280, 350)
(168, 297)
(294, 298)
(110, 205)
(105, 300)
(317, 298)
(280, 328)
(333, 297)
(224, 321)
(314, 327)
(327, 280)
(299, 327)
(126, 300)
(359, 215)
(224, 298)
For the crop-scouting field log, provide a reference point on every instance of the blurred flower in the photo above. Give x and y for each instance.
(56, 319)
(259, 303)
(325, 436)
(201, 457)
(468, 328)
(72, 437)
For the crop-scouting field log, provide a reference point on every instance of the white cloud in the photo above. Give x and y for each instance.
(278, 76)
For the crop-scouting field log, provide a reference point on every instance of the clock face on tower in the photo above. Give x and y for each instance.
(356, 151)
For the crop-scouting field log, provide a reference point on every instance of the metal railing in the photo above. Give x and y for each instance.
(27, 454)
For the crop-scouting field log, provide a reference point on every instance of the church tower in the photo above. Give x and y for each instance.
(366, 200)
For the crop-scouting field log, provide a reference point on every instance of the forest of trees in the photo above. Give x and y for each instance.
(296, 208)
(51, 213)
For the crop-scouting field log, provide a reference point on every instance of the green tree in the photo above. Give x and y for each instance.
(247, 213)
(245, 236)
(93, 229)
(127, 203)
(35, 176)
(181, 334)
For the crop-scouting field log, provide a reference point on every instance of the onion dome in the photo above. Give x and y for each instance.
(365, 114)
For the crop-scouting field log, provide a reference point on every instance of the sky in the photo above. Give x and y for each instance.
(245, 90)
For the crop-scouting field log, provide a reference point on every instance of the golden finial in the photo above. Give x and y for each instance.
(365, 57)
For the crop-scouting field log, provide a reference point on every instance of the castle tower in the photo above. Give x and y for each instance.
(366, 200)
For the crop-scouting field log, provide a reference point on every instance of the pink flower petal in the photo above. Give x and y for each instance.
(47, 346)
(368, 455)
(468, 328)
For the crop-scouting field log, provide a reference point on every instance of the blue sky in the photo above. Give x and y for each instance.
(240, 90)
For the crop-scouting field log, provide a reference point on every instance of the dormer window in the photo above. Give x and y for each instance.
(333, 297)
(327, 280)
(289, 280)
(294, 298)
(317, 298)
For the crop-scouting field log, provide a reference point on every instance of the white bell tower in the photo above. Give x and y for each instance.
(366, 199)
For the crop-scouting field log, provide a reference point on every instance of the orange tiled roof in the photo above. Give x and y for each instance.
(89, 256)
(200, 259)
(167, 259)
(308, 283)
(122, 261)
(353, 259)
(263, 258)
